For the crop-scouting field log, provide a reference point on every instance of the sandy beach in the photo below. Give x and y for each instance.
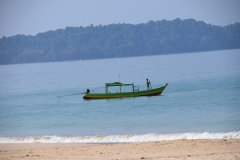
(179, 149)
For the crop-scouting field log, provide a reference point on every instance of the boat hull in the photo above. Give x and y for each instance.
(152, 92)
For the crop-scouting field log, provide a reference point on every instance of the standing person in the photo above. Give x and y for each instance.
(148, 82)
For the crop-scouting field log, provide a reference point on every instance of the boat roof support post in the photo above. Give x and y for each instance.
(106, 89)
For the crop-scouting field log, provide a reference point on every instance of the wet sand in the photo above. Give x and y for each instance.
(170, 150)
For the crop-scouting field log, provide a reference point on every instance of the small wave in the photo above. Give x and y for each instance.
(122, 138)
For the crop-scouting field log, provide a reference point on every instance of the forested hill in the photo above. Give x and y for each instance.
(119, 40)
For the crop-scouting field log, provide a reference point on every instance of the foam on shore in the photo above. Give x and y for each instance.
(122, 138)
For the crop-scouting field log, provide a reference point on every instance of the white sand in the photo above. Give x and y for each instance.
(179, 149)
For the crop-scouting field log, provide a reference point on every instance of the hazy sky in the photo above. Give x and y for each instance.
(35, 16)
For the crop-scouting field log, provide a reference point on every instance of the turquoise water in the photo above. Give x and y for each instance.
(202, 99)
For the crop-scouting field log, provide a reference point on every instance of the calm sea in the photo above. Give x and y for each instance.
(202, 100)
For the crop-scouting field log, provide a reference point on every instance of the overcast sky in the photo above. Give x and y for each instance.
(30, 17)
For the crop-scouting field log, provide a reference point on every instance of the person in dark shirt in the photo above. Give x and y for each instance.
(148, 82)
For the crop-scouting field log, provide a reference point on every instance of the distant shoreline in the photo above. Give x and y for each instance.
(120, 57)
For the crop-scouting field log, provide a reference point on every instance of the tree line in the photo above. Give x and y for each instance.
(119, 40)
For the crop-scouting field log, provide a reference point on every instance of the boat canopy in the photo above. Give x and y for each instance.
(114, 84)
(118, 84)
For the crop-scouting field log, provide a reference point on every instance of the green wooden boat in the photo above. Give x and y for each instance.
(135, 92)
